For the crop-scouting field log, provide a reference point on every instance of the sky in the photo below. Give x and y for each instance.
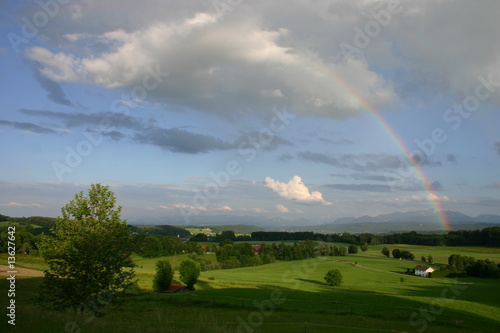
(293, 109)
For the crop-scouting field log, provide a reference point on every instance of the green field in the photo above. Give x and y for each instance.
(439, 253)
(200, 230)
(289, 297)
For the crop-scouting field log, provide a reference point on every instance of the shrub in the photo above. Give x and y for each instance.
(334, 277)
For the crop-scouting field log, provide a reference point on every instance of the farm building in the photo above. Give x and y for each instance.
(424, 271)
(174, 288)
(256, 249)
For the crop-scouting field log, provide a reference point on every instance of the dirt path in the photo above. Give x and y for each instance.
(20, 271)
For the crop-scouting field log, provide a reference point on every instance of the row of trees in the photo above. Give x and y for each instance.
(486, 237)
(464, 265)
(237, 255)
(325, 249)
(243, 255)
(189, 271)
(400, 254)
(152, 246)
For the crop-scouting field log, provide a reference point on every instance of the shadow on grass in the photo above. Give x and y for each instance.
(288, 304)
(319, 283)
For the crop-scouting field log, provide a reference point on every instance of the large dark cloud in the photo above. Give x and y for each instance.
(497, 147)
(120, 126)
(27, 127)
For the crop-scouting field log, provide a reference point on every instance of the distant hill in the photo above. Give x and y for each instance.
(421, 216)
(421, 220)
(35, 224)
(387, 227)
(164, 230)
(425, 217)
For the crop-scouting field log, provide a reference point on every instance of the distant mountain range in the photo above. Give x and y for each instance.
(420, 220)
(422, 216)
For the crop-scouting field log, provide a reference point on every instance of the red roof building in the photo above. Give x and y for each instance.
(174, 288)
(256, 248)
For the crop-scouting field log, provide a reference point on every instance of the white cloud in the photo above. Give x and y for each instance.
(211, 60)
(295, 190)
(274, 55)
(434, 197)
(282, 209)
(18, 204)
(224, 209)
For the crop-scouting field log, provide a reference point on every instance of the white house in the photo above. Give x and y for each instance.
(424, 271)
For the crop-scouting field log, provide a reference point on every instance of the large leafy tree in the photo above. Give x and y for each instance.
(89, 254)
(189, 271)
(386, 252)
(164, 275)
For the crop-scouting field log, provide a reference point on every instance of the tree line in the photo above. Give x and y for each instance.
(486, 237)
(463, 265)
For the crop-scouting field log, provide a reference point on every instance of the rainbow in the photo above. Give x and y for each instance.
(392, 134)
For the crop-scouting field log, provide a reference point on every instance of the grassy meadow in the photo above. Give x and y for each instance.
(287, 297)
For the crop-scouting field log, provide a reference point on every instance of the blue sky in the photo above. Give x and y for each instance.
(250, 108)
